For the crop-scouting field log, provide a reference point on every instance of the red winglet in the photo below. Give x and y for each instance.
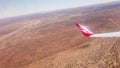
(84, 30)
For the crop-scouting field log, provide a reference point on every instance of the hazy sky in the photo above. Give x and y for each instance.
(10, 8)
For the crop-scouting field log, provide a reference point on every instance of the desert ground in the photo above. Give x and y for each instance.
(52, 40)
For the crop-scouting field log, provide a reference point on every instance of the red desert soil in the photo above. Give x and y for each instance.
(53, 41)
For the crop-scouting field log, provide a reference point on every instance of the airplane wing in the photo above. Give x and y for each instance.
(87, 33)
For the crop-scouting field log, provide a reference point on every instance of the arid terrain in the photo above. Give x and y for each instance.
(52, 40)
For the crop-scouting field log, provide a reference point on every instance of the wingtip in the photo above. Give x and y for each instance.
(77, 24)
(84, 31)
